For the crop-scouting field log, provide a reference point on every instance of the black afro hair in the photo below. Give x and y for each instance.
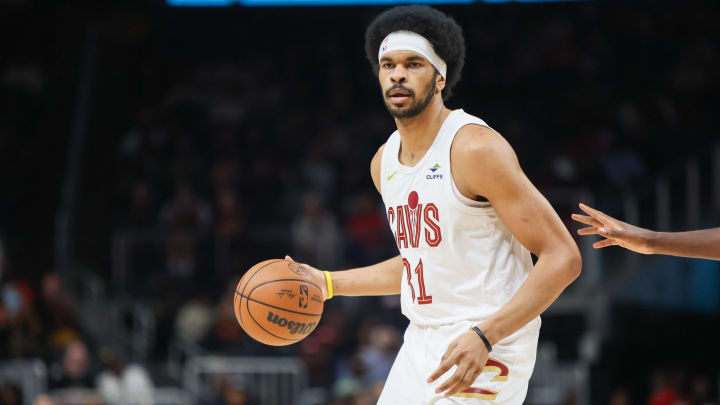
(441, 30)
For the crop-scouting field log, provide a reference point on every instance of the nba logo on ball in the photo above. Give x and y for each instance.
(303, 300)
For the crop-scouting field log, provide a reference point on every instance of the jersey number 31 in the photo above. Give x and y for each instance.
(423, 298)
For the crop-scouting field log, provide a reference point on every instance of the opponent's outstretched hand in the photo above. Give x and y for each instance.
(468, 352)
(616, 232)
(316, 276)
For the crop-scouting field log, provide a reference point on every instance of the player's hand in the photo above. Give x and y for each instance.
(316, 276)
(615, 232)
(469, 354)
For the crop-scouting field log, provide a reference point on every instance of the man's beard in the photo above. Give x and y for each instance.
(413, 109)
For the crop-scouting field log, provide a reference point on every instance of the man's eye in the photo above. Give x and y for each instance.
(414, 65)
(387, 66)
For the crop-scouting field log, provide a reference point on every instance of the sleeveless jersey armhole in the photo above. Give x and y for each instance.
(387, 165)
(469, 205)
(378, 186)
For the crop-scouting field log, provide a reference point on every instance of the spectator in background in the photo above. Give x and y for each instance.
(700, 391)
(225, 173)
(194, 320)
(145, 143)
(317, 172)
(180, 254)
(77, 397)
(10, 395)
(186, 216)
(121, 383)
(43, 399)
(229, 229)
(230, 221)
(2, 249)
(75, 371)
(24, 333)
(57, 313)
(619, 396)
(141, 212)
(351, 383)
(570, 397)
(232, 395)
(185, 210)
(225, 336)
(379, 355)
(365, 229)
(667, 388)
(5, 332)
(316, 235)
(362, 378)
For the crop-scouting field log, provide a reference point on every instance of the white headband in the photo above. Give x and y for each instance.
(410, 41)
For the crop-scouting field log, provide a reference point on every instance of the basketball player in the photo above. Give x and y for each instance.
(465, 219)
(704, 244)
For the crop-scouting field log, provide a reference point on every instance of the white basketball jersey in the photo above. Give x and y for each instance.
(461, 261)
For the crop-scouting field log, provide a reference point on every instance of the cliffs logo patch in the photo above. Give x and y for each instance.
(434, 175)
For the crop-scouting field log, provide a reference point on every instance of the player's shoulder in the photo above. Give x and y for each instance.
(375, 166)
(482, 161)
(378, 154)
(480, 145)
(377, 159)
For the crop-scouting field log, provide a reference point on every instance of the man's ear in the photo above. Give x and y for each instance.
(439, 83)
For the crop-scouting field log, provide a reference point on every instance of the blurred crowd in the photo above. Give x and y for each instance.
(42, 322)
(221, 147)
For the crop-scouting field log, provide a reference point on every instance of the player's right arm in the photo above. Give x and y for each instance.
(384, 278)
(704, 244)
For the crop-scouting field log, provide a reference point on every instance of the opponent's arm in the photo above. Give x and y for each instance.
(704, 244)
(483, 163)
(383, 278)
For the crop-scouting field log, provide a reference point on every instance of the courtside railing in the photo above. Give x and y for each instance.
(30, 376)
(555, 383)
(160, 396)
(268, 381)
(685, 197)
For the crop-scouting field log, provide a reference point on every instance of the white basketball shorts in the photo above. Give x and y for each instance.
(503, 381)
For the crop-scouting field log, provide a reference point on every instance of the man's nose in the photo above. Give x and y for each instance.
(399, 74)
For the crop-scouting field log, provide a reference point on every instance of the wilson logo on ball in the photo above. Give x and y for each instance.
(293, 327)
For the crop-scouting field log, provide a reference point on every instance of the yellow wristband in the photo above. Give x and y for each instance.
(328, 280)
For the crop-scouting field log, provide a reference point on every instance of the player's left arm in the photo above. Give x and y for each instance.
(484, 164)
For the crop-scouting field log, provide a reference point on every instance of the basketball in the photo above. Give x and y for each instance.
(276, 303)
